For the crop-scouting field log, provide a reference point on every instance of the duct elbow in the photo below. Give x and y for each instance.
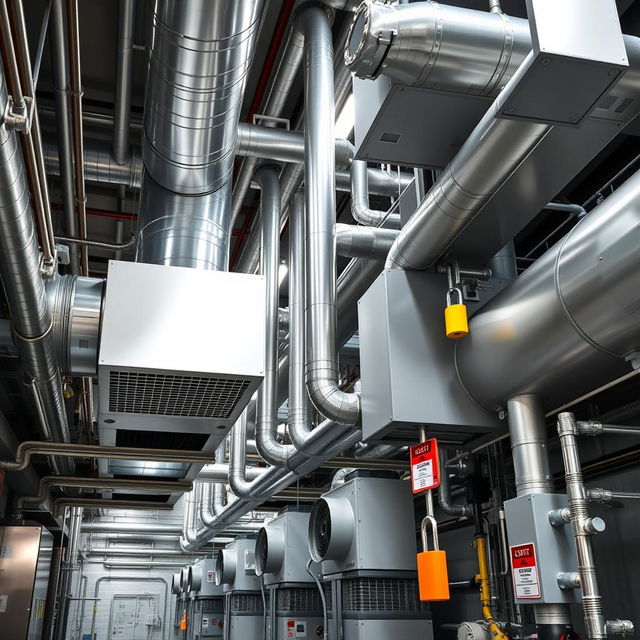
(333, 403)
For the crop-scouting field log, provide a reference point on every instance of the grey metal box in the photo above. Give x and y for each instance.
(288, 549)
(386, 117)
(578, 53)
(527, 520)
(406, 361)
(371, 519)
(181, 349)
(236, 566)
(387, 629)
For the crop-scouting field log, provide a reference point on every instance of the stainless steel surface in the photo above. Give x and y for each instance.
(488, 157)
(322, 370)
(360, 209)
(235, 567)
(25, 291)
(272, 451)
(405, 356)
(18, 563)
(63, 128)
(195, 361)
(579, 508)
(528, 434)
(570, 317)
(76, 307)
(124, 79)
(183, 230)
(129, 527)
(198, 61)
(354, 241)
(437, 46)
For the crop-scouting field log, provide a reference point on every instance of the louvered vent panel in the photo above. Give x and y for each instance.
(381, 595)
(299, 600)
(245, 603)
(174, 395)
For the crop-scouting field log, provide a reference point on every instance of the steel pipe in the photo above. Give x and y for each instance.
(96, 503)
(360, 200)
(124, 80)
(25, 290)
(152, 528)
(133, 484)
(30, 448)
(133, 552)
(364, 242)
(322, 370)
(272, 451)
(445, 501)
(571, 316)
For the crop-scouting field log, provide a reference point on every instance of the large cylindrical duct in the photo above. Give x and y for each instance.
(199, 55)
(568, 323)
(435, 46)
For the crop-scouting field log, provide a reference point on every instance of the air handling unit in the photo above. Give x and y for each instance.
(363, 534)
(235, 572)
(180, 349)
(282, 554)
(207, 618)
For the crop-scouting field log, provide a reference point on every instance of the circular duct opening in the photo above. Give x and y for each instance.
(175, 583)
(331, 526)
(270, 546)
(226, 567)
(184, 580)
(194, 578)
(357, 36)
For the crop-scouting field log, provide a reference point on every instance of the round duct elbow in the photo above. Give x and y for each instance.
(175, 584)
(270, 545)
(331, 527)
(226, 567)
(194, 578)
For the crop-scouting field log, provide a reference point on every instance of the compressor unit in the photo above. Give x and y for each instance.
(207, 617)
(282, 555)
(362, 533)
(235, 572)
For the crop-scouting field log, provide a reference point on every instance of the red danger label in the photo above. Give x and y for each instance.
(425, 469)
(524, 567)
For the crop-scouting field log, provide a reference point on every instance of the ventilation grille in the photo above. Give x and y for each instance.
(299, 600)
(381, 595)
(328, 595)
(210, 605)
(169, 395)
(246, 603)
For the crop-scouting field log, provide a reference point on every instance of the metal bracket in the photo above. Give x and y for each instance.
(279, 123)
(17, 120)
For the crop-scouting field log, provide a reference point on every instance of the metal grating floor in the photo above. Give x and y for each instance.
(174, 395)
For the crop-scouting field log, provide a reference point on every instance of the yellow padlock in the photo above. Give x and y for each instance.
(433, 576)
(456, 322)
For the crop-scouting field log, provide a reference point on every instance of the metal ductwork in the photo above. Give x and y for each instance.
(25, 290)
(572, 317)
(199, 55)
(476, 53)
(353, 241)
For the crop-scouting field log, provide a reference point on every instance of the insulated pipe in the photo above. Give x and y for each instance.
(60, 66)
(373, 243)
(132, 484)
(124, 80)
(486, 159)
(98, 503)
(133, 552)
(219, 472)
(25, 290)
(238, 482)
(436, 46)
(571, 317)
(128, 527)
(322, 372)
(272, 451)
(360, 200)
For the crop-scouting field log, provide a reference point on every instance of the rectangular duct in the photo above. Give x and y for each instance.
(181, 349)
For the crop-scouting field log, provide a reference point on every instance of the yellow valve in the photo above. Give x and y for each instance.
(433, 577)
(455, 317)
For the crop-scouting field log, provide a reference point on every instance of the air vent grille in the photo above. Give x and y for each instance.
(299, 600)
(245, 603)
(174, 395)
(210, 605)
(381, 594)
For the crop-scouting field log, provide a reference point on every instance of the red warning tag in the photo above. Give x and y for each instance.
(524, 568)
(425, 469)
